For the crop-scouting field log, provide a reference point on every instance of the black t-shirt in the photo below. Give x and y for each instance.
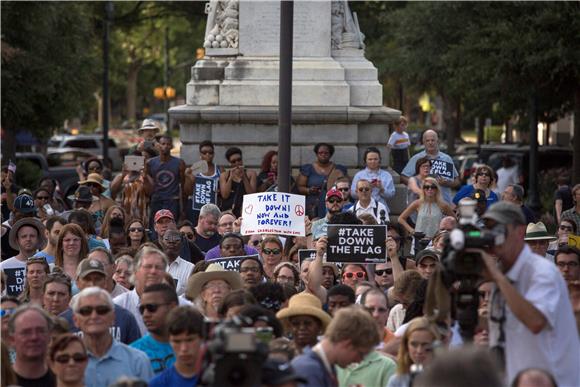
(47, 380)
(206, 244)
(565, 195)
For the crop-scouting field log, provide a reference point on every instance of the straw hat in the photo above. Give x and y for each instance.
(305, 304)
(214, 271)
(538, 231)
(94, 178)
(32, 222)
(149, 124)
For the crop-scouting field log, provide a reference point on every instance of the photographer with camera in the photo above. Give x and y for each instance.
(531, 323)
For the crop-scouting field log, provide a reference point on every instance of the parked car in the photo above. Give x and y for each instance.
(89, 143)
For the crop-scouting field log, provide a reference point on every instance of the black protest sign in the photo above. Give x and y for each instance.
(356, 243)
(442, 168)
(204, 192)
(232, 263)
(305, 254)
(15, 279)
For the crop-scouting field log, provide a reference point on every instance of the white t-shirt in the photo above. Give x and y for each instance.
(505, 177)
(399, 140)
(557, 347)
(180, 270)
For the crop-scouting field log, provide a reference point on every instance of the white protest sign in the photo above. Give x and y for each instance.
(273, 213)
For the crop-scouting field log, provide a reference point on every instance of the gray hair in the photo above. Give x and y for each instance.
(25, 308)
(210, 209)
(145, 251)
(518, 191)
(125, 259)
(91, 292)
(104, 251)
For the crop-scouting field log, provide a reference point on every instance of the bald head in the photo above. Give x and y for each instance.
(448, 223)
(431, 141)
(534, 378)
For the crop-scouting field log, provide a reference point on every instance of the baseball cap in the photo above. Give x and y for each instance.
(24, 204)
(505, 213)
(87, 266)
(163, 214)
(276, 372)
(427, 253)
(333, 192)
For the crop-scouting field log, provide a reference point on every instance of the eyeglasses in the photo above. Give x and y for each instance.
(380, 309)
(426, 187)
(358, 274)
(270, 251)
(383, 272)
(207, 152)
(566, 228)
(100, 309)
(343, 189)
(251, 269)
(76, 357)
(172, 238)
(43, 197)
(7, 312)
(151, 308)
(570, 265)
(333, 200)
(136, 229)
(363, 189)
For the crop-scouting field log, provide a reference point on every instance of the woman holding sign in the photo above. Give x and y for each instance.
(430, 209)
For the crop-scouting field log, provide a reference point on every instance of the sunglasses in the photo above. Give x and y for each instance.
(270, 251)
(76, 357)
(358, 274)
(7, 312)
(100, 309)
(136, 229)
(333, 201)
(383, 272)
(364, 189)
(255, 243)
(151, 308)
(484, 174)
(426, 187)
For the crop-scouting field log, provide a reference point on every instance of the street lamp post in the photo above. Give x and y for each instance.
(106, 22)
(285, 95)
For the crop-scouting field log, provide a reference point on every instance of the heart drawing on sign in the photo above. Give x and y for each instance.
(249, 208)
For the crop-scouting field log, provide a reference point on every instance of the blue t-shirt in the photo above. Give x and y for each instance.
(468, 189)
(42, 254)
(170, 377)
(160, 354)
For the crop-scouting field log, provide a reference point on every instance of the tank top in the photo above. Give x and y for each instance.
(428, 217)
(166, 177)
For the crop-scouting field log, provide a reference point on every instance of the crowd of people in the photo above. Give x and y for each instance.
(124, 284)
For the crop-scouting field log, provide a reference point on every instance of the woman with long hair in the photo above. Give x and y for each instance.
(115, 211)
(430, 209)
(136, 234)
(422, 169)
(71, 248)
(416, 348)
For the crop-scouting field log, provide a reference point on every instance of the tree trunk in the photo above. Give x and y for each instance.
(576, 139)
(132, 76)
(533, 194)
(450, 121)
(8, 144)
(508, 131)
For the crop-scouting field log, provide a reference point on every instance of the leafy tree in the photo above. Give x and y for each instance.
(48, 66)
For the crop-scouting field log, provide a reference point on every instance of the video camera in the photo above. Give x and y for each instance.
(235, 354)
(466, 267)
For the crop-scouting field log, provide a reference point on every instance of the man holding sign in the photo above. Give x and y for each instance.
(442, 166)
(273, 213)
(356, 243)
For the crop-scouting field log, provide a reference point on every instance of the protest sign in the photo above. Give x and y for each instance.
(15, 280)
(442, 168)
(304, 254)
(231, 263)
(273, 213)
(204, 192)
(574, 240)
(356, 243)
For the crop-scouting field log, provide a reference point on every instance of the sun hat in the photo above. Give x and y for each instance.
(94, 178)
(83, 194)
(32, 222)
(214, 271)
(149, 124)
(87, 266)
(24, 204)
(333, 192)
(505, 213)
(537, 232)
(304, 304)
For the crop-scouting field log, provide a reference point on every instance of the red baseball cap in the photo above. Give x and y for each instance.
(333, 192)
(163, 214)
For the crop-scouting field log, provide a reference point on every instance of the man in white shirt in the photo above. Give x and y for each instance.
(530, 316)
(178, 267)
(367, 205)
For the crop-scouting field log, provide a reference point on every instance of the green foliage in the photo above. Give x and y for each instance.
(493, 133)
(28, 174)
(48, 64)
